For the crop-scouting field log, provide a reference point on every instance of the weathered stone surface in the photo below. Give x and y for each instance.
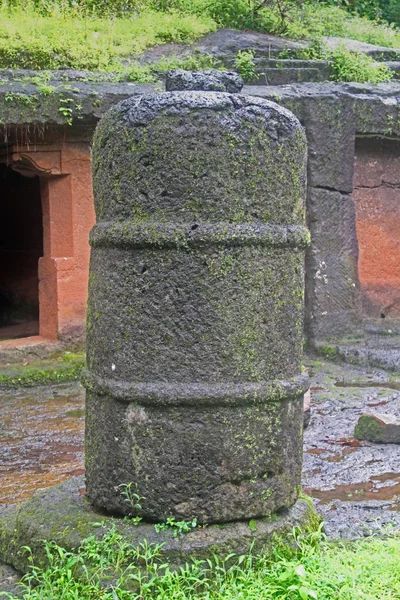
(380, 428)
(9, 578)
(211, 81)
(331, 139)
(277, 71)
(195, 310)
(62, 514)
(332, 289)
(377, 52)
(369, 351)
(307, 409)
(354, 484)
(394, 65)
(88, 101)
(224, 44)
(333, 115)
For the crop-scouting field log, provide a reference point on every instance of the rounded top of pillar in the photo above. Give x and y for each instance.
(208, 156)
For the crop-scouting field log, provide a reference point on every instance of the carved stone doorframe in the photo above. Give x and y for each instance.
(62, 269)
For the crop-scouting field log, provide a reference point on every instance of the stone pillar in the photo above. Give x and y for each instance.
(194, 384)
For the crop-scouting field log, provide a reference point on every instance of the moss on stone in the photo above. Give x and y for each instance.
(330, 352)
(368, 428)
(67, 368)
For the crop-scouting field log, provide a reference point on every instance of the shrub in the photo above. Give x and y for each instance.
(245, 66)
(354, 66)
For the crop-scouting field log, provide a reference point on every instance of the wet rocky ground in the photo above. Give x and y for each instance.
(41, 444)
(41, 438)
(355, 485)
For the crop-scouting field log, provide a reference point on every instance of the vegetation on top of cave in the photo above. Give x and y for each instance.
(109, 34)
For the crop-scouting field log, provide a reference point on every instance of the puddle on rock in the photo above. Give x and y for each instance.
(379, 487)
(374, 404)
(41, 438)
(331, 455)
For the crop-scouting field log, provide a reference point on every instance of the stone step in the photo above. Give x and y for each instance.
(284, 75)
(382, 356)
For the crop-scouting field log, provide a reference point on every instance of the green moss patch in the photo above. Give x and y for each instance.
(66, 367)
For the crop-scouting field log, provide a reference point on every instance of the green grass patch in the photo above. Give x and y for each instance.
(113, 569)
(67, 367)
(32, 41)
(101, 35)
(294, 19)
(316, 20)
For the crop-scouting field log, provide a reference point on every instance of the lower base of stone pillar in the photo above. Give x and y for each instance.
(62, 514)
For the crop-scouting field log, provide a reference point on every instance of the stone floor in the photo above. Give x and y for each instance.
(355, 485)
(41, 438)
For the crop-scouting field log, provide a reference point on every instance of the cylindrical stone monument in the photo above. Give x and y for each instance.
(195, 315)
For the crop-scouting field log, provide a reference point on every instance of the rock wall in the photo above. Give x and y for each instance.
(334, 117)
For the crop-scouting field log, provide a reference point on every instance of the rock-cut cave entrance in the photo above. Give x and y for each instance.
(21, 246)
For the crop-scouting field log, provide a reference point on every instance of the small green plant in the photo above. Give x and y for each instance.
(66, 109)
(358, 67)
(316, 50)
(177, 527)
(22, 99)
(138, 73)
(245, 65)
(45, 89)
(133, 499)
(108, 567)
(253, 525)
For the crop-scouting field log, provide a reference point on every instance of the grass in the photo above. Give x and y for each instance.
(112, 569)
(66, 36)
(316, 20)
(67, 367)
(31, 41)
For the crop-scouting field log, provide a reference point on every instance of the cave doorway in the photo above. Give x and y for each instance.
(21, 246)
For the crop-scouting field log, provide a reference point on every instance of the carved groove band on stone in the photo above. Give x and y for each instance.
(197, 394)
(179, 235)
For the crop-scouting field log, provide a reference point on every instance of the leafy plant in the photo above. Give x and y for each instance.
(111, 568)
(354, 66)
(177, 527)
(245, 65)
(316, 50)
(130, 496)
